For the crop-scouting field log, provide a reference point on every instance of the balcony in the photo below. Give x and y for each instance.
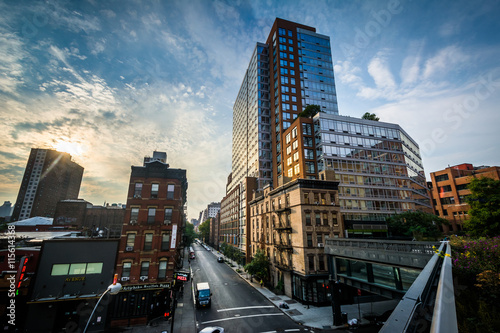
(283, 247)
(283, 227)
(282, 209)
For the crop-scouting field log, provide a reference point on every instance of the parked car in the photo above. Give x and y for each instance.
(212, 329)
(220, 259)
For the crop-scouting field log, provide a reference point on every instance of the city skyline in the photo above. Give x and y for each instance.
(111, 83)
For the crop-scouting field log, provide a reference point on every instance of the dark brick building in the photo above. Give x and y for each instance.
(50, 177)
(149, 250)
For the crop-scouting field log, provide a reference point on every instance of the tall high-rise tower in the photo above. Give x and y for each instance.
(378, 165)
(50, 176)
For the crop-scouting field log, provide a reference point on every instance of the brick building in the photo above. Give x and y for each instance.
(102, 221)
(150, 243)
(449, 191)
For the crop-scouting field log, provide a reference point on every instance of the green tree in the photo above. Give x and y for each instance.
(189, 233)
(204, 230)
(370, 116)
(310, 111)
(416, 224)
(259, 266)
(484, 211)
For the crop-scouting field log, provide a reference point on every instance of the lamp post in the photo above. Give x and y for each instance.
(113, 289)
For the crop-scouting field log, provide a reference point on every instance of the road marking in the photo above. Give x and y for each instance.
(248, 307)
(250, 316)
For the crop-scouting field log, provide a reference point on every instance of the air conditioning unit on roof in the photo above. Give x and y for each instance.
(143, 278)
(125, 278)
(321, 245)
(132, 222)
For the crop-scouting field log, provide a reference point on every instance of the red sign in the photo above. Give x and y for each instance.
(359, 292)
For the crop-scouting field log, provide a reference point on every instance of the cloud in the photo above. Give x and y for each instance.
(446, 59)
(11, 54)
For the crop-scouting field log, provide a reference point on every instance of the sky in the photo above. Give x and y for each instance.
(112, 81)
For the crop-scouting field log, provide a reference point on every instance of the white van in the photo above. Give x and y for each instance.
(203, 295)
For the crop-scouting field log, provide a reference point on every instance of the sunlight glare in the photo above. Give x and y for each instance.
(72, 148)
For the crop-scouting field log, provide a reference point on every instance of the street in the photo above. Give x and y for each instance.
(236, 306)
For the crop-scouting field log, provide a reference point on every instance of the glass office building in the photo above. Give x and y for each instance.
(379, 169)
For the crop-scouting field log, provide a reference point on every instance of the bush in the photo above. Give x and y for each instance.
(476, 267)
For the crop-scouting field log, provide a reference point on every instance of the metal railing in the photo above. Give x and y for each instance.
(413, 313)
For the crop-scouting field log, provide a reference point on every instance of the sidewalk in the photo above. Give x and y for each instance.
(314, 316)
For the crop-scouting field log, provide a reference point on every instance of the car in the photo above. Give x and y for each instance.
(212, 329)
(220, 259)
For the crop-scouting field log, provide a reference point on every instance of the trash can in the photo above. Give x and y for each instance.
(344, 318)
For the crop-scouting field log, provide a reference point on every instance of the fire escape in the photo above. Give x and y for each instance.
(283, 244)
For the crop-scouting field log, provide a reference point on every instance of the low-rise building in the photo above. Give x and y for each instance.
(290, 224)
(449, 191)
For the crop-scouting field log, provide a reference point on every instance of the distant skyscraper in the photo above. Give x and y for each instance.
(50, 176)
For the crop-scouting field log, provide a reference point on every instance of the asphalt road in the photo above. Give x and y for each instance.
(236, 306)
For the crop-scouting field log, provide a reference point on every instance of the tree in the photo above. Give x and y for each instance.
(484, 211)
(310, 111)
(370, 116)
(415, 224)
(189, 233)
(204, 230)
(259, 266)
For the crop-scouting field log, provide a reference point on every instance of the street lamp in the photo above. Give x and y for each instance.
(113, 289)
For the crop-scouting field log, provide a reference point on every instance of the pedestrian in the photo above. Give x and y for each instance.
(261, 283)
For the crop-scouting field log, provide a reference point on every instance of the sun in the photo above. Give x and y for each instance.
(72, 148)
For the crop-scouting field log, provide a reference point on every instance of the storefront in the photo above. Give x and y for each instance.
(312, 289)
(138, 304)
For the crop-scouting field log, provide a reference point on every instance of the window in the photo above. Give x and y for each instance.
(288, 150)
(442, 178)
(145, 268)
(130, 240)
(162, 269)
(294, 132)
(297, 169)
(168, 215)
(154, 190)
(75, 269)
(134, 214)
(165, 241)
(138, 190)
(94, 268)
(311, 263)
(126, 269)
(148, 242)
(296, 156)
(295, 144)
(308, 217)
(319, 238)
(59, 269)
(290, 172)
(151, 215)
(170, 191)
(289, 161)
(309, 240)
(318, 219)
(325, 218)
(321, 263)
